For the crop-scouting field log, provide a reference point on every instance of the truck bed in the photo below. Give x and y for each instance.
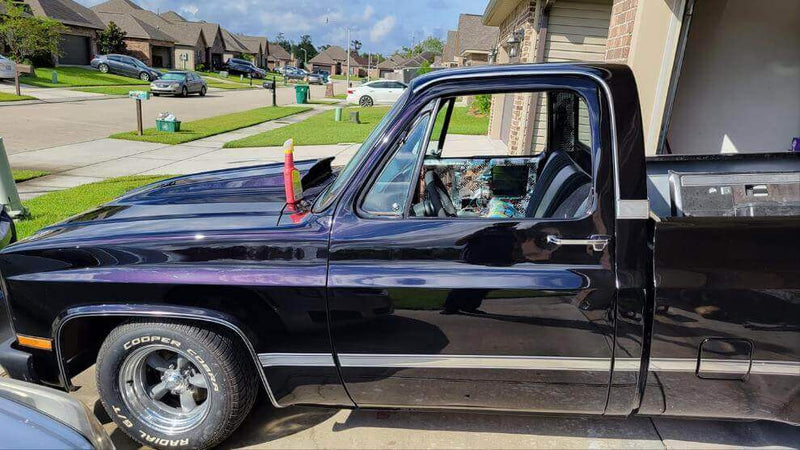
(741, 185)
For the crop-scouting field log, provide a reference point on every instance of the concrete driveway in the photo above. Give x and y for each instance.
(305, 427)
(35, 126)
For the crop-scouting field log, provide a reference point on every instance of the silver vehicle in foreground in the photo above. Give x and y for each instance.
(36, 417)
(179, 82)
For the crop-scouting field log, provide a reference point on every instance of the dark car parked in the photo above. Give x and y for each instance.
(126, 66)
(238, 66)
(179, 82)
(416, 278)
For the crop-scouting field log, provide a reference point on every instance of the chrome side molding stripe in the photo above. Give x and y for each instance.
(684, 365)
(296, 359)
(476, 362)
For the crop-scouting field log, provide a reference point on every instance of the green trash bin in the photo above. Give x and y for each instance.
(301, 93)
(170, 126)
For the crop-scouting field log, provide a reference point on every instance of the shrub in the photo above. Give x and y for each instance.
(481, 104)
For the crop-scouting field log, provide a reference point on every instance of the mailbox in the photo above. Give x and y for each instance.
(139, 95)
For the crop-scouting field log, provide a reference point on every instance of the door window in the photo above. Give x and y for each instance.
(466, 173)
(389, 193)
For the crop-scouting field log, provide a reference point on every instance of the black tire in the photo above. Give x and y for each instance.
(103, 68)
(365, 101)
(223, 366)
(203, 91)
(156, 94)
(184, 92)
(144, 76)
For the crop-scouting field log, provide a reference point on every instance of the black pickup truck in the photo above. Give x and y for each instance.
(540, 282)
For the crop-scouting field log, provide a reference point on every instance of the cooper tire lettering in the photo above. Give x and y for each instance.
(126, 376)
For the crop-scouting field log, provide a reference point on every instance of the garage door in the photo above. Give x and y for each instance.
(74, 49)
(577, 31)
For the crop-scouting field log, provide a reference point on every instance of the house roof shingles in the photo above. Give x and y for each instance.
(449, 49)
(278, 53)
(254, 44)
(67, 12)
(473, 35)
(133, 27)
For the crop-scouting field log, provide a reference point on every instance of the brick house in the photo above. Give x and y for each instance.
(713, 47)
(79, 43)
(277, 56)
(257, 47)
(153, 39)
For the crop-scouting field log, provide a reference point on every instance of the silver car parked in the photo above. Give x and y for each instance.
(179, 82)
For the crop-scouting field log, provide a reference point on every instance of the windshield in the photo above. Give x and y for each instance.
(139, 63)
(174, 77)
(327, 197)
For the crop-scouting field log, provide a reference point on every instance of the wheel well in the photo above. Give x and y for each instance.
(81, 338)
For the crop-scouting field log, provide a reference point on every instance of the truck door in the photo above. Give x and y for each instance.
(438, 300)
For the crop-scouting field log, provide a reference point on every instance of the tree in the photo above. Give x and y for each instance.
(305, 43)
(355, 45)
(429, 44)
(424, 68)
(281, 40)
(29, 38)
(112, 39)
(323, 47)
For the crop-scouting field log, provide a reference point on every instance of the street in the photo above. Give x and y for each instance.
(35, 126)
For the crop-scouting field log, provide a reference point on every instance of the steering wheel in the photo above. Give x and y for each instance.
(442, 205)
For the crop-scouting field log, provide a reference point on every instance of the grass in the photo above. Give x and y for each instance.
(352, 78)
(113, 90)
(198, 129)
(6, 97)
(317, 129)
(54, 207)
(25, 175)
(77, 77)
(321, 129)
(341, 96)
(223, 85)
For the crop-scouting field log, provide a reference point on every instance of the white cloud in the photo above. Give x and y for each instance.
(190, 9)
(368, 12)
(381, 28)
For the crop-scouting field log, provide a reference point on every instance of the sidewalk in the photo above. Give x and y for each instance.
(48, 95)
(88, 162)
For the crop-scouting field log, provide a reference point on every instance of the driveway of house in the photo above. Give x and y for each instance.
(305, 427)
(34, 126)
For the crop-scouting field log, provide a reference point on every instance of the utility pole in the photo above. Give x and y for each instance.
(348, 57)
(305, 58)
(369, 64)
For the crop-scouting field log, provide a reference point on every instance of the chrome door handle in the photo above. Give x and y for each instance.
(597, 241)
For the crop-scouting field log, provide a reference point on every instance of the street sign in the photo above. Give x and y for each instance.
(139, 95)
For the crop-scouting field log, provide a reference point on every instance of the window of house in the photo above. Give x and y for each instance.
(465, 173)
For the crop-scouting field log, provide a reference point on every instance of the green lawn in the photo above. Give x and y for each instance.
(222, 85)
(321, 129)
(7, 97)
(57, 206)
(113, 90)
(25, 175)
(77, 77)
(318, 129)
(210, 126)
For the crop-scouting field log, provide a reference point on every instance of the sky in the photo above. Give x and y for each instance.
(381, 25)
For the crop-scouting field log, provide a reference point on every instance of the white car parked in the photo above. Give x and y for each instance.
(7, 68)
(378, 91)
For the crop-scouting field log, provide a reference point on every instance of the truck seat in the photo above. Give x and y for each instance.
(562, 190)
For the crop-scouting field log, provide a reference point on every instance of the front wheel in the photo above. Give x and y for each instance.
(173, 385)
(365, 101)
(203, 91)
(184, 92)
(144, 76)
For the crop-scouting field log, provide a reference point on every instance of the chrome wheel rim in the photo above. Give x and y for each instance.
(144, 77)
(103, 68)
(164, 389)
(365, 101)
